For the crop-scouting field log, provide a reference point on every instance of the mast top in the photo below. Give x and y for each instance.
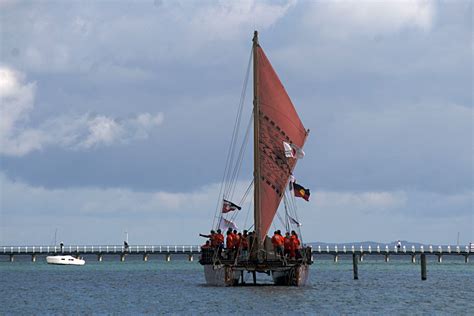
(255, 37)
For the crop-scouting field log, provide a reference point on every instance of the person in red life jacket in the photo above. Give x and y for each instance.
(277, 243)
(219, 239)
(212, 238)
(281, 244)
(236, 238)
(219, 242)
(295, 244)
(287, 244)
(230, 245)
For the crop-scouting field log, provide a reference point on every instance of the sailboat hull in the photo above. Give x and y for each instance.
(225, 275)
(221, 275)
(294, 276)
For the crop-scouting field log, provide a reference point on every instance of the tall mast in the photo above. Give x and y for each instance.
(256, 141)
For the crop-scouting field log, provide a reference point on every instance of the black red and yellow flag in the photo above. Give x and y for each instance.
(300, 191)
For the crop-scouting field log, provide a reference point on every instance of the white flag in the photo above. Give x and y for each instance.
(289, 152)
(225, 224)
(293, 151)
(299, 151)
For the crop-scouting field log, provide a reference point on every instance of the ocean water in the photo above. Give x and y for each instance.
(177, 287)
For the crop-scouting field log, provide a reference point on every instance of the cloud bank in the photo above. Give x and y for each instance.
(85, 131)
(392, 214)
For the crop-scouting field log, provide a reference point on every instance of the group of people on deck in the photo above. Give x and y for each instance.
(288, 246)
(239, 243)
(235, 242)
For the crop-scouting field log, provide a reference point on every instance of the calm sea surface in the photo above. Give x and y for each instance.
(177, 287)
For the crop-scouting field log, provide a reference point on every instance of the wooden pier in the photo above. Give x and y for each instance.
(190, 251)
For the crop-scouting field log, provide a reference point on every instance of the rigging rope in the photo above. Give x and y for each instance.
(231, 150)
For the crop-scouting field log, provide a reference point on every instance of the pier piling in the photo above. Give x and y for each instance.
(423, 266)
(466, 259)
(355, 269)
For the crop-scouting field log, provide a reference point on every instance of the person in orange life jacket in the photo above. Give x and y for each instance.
(219, 242)
(287, 244)
(236, 238)
(212, 238)
(277, 243)
(207, 245)
(295, 244)
(282, 243)
(219, 239)
(230, 245)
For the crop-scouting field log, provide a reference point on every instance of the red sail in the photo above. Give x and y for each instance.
(278, 122)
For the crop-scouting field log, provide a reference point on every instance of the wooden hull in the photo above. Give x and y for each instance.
(294, 276)
(227, 275)
(219, 270)
(221, 275)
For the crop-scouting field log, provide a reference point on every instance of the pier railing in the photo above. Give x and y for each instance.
(335, 250)
(96, 249)
(318, 249)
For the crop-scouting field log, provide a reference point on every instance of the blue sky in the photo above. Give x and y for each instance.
(117, 115)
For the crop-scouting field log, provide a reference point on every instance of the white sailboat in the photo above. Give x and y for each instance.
(65, 260)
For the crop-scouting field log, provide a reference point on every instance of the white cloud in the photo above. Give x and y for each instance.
(75, 132)
(229, 19)
(341, 19)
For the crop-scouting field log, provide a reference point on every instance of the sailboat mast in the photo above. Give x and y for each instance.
(256, 141)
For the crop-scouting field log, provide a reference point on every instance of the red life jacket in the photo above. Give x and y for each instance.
(219, 239)
(213, 239)
(237, 241)
(230, 241)
(287, 243)
(276, 241)
(294, 242)
(281, 239)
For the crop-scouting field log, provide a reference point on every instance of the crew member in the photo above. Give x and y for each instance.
(212, 238)
(295, 245)
(230, 244)
(236, 239)
(287, 244)
(277, 243)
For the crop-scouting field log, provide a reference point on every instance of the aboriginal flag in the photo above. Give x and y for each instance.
(300, 191)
